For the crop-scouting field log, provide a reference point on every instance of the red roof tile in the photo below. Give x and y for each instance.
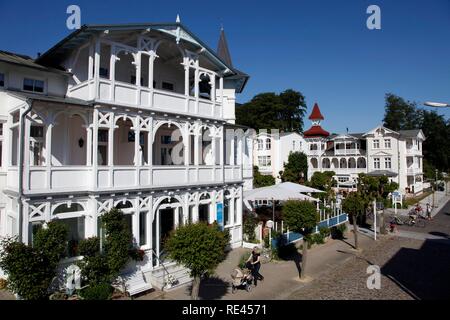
(316, 131)
(315, 114)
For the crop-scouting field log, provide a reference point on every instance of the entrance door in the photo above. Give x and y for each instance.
(203, 213)
(167, 224)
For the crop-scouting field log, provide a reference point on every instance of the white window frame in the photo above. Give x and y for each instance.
(264, 161)
(376, 163)
(376, 143)
(387, 143)
(36, 141)
(387, 160)
(268, 144)
(260, 144)
(34, 79)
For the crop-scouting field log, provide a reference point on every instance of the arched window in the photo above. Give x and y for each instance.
(65, 208)
(121, 205)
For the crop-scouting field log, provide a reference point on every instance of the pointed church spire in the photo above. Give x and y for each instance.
(222, 48)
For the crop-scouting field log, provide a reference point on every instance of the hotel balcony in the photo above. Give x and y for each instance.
(413, 171)
(129, 95)
(47, 180)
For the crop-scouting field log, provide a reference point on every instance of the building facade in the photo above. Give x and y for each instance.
(136, 117)
(271, 150)
(378, 152)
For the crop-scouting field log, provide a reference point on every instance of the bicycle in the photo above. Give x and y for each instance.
(416, 222)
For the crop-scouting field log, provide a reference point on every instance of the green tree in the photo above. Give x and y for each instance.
(405, 115)
(323, 181)
(436, 147)
(301, 217)
(31, 270)
(353, 205)
(199, 247)
(261, 180)
(296, 169)
(400, 114)
(268, 110)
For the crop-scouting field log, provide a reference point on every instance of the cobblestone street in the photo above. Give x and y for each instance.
(411, 268)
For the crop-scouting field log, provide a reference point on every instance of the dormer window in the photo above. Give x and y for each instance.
(2, 79)
(33, 85)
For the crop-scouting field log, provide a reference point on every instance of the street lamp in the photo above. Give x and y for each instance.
(437, 104)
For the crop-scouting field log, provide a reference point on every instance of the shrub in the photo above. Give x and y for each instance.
(99, 291)
(29, 272)
(51, 241)
(325, 231)
(199, 247)
(249, 227)
(89, 247)
(118, 241)
(95, 269)
(31, 269)
(243, 260)
(338, 232)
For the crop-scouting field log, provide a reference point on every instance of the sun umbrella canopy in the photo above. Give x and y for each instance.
(276, 192)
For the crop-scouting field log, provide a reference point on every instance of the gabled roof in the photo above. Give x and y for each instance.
(412, 133)
(25, 61)
(55, 55)
(316, 114)
(380, 127)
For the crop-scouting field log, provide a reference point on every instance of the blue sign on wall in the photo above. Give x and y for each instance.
(220, 214)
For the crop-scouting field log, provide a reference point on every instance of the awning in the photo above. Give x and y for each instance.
(382, 173)
(283, 191)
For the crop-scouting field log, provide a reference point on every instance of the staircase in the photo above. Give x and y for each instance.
(135, 282)
(169, 276)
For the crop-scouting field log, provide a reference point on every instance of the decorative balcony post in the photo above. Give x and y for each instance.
(212, 77)
(232, 141)
(137, 142)
(138, 65)
(94, 148)
(135, 221)
(48, 152)
(97, 67)
(26, 152)
(112, 72)
(221, 95)
(186, 83)
(151, 63)
(111, 139)
(222, 151)
(196, 85)
(88, 144)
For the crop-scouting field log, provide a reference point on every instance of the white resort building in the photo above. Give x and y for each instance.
(271, 150)
(378, 152)
(139, 117)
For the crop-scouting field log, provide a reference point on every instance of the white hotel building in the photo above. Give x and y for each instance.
(378, 152)
(130, 116)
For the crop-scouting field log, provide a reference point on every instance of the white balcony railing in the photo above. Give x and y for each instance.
(85, 178)
(126, 94)
(413, 151)
(413, 171)
(345, 152)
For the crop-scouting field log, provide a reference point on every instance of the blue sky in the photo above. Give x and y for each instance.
(321, 48)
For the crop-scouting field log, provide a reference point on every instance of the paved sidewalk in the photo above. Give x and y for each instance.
(439, 202)
(281, 277)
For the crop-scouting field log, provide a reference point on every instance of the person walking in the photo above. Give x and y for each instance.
(255, 261)
(428, 211)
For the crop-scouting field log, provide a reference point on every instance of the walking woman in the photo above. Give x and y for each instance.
(255, 261)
